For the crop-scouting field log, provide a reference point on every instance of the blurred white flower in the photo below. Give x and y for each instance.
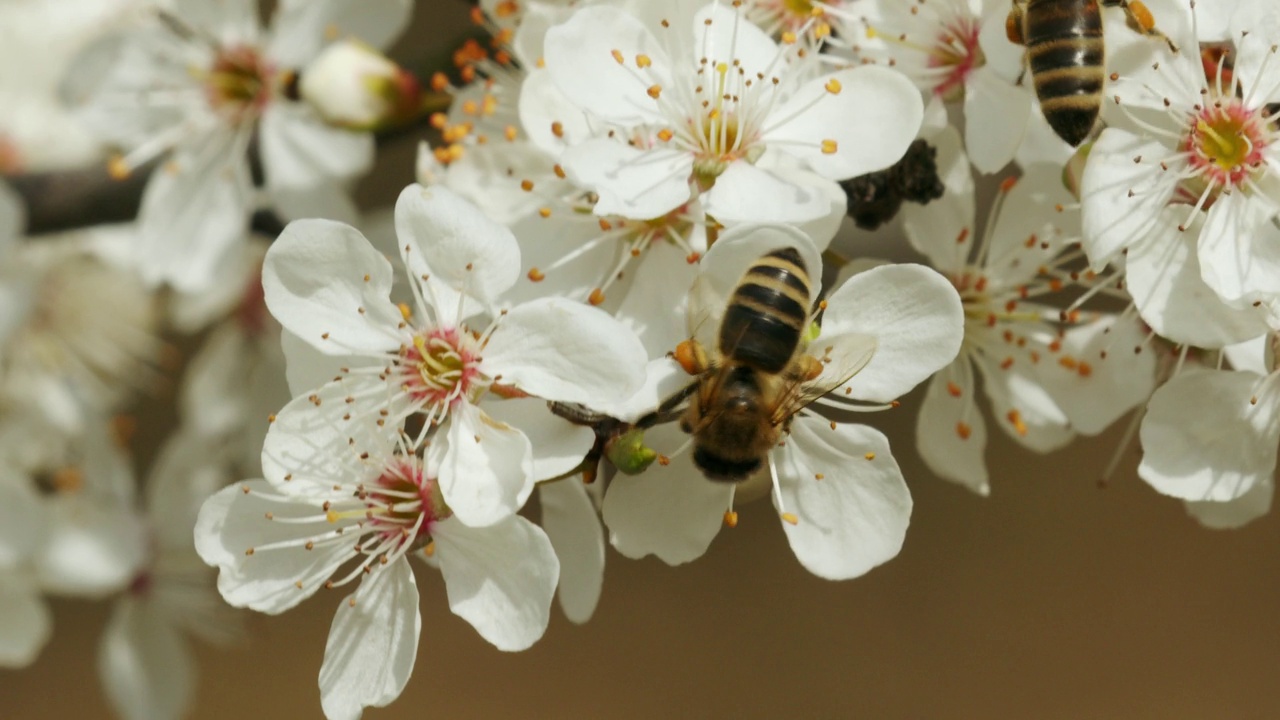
(144, 660)
(201, 84)
(330, 290)
(367, 506)
(354, 86)
(844, 504)
(689, 111)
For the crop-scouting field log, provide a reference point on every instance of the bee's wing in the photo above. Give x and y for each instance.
(842, 357)
(704, 311)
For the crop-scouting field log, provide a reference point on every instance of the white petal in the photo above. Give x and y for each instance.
(569, 518)
(822, 230)
(299, 150)
(561, 350)
(500, 578)
(1236, 513)
(487, 472)
(307, 369)
(22, 520)
(558, 445)
(1034, 223)
(1023, 408)
(94, 547)
(915, 316)
(748, 193)
(648, 308)
(1117, 379)
(313, 280)
(1250, 355)
(663, 378)
(631, 182)
(722, 34)
(936, 227)
(951, 433)
(372, 643)
(543, 106)
(1256, 54)
(145, 666)
(872, 120)
(1203, 440)
(1164, 277)
(1121, 199)
(856, 516)
(579, 56)
(996, 114)
(232, 521)
(670, 511)
(1239, 248)
(186, 472)
(448, 237)
(25, 624)
(194, 212)
(303, 27)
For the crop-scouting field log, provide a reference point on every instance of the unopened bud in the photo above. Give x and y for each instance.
(354, 86)
(628, 452)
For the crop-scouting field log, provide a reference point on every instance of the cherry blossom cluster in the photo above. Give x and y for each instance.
(361, 399)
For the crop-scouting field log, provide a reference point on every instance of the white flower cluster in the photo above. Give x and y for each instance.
(617, 281)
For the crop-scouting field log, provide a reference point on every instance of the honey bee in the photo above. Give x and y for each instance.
(1066, 55)
(761, 372)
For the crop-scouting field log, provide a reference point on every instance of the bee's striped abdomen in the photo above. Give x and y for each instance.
(1066, 54)
(767, 312)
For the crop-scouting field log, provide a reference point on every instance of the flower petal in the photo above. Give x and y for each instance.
(314, 282)
(996, 114)
(22, 521)
(233, 521)
(855, 517)
(1203, 440)
(558, 445)
(499, 578)
(303, 27)
(1239, 249)
(951, 433)
(1103, 378)
(631, 182)
(872, 120)
(93, 547)
(1022, 406)
(580, 55)
(487, 471)
(670, 511)
(26, 623)
(144, 663)
(299, 150)
(550, 120)
(648, 308)
(1236, 513)
(569, 518)
(663, 378)
(193, 214)
(561, 350)
(748, 193)
(1122, 193)
(373, 643)
(942, 229)
(1164, 276)
(444, 235)
(915, 316)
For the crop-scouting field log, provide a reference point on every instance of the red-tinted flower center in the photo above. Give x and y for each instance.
(239, 82)
(442, 366)
(1226, 141)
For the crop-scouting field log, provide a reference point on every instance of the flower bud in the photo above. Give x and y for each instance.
(355, 87)
(629, 453)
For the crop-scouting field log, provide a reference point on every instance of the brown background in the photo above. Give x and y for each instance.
(1050, 599)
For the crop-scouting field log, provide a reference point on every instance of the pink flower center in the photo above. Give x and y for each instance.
(395, 501)
(1226, 141)
(955, 54)
(442, 367)
(239, 83)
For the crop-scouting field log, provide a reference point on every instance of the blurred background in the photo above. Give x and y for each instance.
(1052, 598)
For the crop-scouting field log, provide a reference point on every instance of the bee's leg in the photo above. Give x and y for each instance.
(1140, 19)
(577, 414)
(668, 410)
(1014, 24)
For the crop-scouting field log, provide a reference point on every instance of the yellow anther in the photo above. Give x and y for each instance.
(557, 129)
(722, 68)
(544, 212)
(828, 147)
(537, 275)
(821, 30)
(654, 91)
(1015, 418)
(789, 37)
(405, 311)
(332, 516)
(870, 456)
(510, 133)
(617, 55)
(526, 185)
(963, 430)
(430, 549)
(117, 168)
(731, 518)
(833, 86)
(643, 61)
(790, 518)
(596, 297)
(559, 171)
(665, 134)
